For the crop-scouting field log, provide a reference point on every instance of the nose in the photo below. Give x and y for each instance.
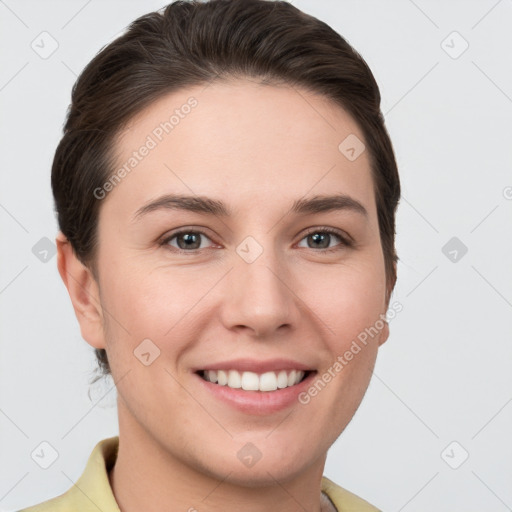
(259, 297)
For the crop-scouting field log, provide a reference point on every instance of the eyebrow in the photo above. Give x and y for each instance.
(209, 206)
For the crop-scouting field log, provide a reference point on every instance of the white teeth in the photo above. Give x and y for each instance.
(222, 377)
(251, 381)
(282, 379)
(268, 381)
(234, 379)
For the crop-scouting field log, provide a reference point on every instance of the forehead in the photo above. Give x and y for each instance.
(243, 142)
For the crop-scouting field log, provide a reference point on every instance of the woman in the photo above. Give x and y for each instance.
(226, 193)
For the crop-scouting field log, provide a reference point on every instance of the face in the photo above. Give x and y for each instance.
(247, 277)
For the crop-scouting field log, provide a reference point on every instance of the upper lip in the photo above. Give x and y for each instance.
(253, 365)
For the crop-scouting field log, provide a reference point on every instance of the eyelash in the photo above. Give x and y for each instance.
(345, 241)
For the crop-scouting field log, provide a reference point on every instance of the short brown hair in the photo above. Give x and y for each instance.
(190, 43)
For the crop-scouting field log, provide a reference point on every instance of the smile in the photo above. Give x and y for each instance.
(251, 381)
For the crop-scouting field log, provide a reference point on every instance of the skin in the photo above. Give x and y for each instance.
(257, 148)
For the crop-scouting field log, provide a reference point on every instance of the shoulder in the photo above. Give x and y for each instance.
(344, 500)
(92, 491)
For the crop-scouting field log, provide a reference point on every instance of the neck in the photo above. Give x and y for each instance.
(147, 477)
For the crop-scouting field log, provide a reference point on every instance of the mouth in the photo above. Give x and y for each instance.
(252, 381)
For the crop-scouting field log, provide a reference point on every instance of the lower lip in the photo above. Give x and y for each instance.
(258, 402)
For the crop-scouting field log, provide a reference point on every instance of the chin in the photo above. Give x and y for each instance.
(263, 474)
(258, 472)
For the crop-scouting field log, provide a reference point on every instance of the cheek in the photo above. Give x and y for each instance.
(352, 311)
(349, 301)
(356, 312)
(156, 304)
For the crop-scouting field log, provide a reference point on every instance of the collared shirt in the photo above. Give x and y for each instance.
(92, 491)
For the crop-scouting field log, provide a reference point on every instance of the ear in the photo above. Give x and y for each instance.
(384, 334)
(83, 291)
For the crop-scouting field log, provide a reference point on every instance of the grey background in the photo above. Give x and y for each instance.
(445, 373)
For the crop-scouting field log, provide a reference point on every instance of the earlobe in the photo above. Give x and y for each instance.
(384, 333)
(83, 291)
